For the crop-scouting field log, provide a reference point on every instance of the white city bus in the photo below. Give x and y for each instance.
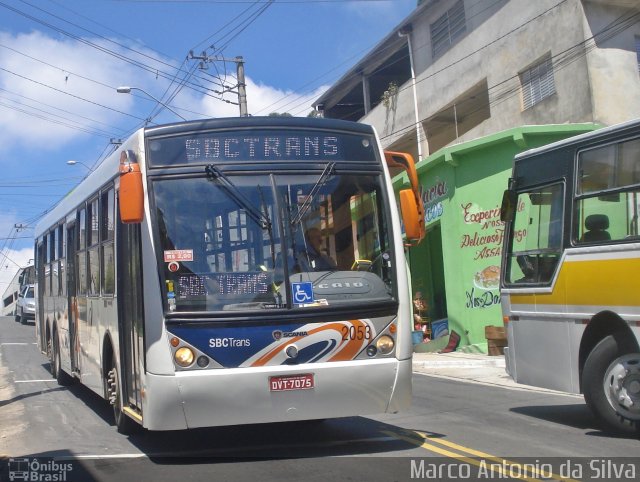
(233, 271)
(570, 279)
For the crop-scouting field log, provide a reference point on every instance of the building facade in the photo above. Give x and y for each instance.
(464, 85)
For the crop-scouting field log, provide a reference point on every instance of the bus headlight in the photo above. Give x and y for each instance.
(385, 344)
(184, 356)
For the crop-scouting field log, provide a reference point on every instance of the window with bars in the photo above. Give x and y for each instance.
(448, 29)
(537, 83)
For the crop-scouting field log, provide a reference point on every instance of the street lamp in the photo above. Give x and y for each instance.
(73, 163)
(127, 90)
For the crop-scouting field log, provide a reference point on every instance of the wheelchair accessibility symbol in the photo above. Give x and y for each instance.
(302, 292)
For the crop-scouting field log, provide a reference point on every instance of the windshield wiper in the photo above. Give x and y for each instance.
(215, 174)
(328, 171)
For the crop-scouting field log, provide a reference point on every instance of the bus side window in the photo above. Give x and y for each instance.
(536, 241)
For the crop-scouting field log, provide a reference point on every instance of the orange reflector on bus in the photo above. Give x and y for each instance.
(174, 342)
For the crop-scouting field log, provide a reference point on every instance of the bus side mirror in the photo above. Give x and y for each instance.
(413, 222)
(508, 207)
(131, 189)
(410, 200)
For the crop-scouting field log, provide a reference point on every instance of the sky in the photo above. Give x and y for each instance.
(61, 62)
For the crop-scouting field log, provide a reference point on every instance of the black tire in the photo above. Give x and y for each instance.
(23, 319)
(60, 375)
(597, 375)
(123, 423)
(50, 356)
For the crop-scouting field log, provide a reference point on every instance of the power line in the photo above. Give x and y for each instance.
(563, 59)
(184, 82)
(136, 63)
(57, 108)
(208, 39)
(69, 94)
(77, 127)
(380, 51)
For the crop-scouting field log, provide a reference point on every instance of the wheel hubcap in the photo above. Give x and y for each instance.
(622, 385)
(112, 386)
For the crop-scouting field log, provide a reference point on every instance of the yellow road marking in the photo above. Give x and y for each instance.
(421, 441)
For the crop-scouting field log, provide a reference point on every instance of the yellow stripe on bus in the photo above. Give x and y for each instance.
(604, 282)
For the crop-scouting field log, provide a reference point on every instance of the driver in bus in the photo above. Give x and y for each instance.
(313, 258)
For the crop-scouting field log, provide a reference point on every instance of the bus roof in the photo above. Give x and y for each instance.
(260, 123)
(582, 138)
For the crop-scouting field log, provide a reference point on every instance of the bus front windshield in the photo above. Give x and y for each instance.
(273, 241)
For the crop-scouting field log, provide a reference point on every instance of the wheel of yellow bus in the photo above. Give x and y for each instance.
(611, 385)
(124, 424)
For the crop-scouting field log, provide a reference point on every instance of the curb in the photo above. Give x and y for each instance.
(450, 362)
(457, 364)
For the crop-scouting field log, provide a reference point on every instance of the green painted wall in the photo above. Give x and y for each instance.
(462, 190)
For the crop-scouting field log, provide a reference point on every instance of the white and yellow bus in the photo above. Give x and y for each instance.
(571, 263)
(179, 280)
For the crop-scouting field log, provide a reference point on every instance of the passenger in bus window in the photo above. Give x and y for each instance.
(313, 257)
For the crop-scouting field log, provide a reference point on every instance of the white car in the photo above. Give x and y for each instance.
(26, 305)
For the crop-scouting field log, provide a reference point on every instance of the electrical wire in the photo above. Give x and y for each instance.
(511, 86)
(380, 51)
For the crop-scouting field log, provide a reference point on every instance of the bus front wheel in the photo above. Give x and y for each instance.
(124, 424)
(611, 385)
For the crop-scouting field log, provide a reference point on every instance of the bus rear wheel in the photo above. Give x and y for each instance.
(611, 385)
(124, 424)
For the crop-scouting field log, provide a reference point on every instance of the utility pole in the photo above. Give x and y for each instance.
(242, 86)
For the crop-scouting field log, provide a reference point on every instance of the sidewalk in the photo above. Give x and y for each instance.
(471, 367)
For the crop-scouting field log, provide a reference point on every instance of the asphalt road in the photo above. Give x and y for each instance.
(452, 429)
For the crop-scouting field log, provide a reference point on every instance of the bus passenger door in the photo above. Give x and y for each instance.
(72, 300)
(130, 317)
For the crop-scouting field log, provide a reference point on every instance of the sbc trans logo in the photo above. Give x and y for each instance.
(40, 471)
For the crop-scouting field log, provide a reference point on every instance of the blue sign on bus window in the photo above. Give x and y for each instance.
(302, 292)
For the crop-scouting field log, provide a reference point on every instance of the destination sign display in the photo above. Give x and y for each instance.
(262, 147)
(243, 146)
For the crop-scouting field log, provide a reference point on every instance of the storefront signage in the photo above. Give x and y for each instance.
(487, 241)
(480, 299)
(431, 213)
(431, 196)
(435, 192)
(485, 234)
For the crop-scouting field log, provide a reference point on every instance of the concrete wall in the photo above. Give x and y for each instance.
(613, 65)
(594, 81)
